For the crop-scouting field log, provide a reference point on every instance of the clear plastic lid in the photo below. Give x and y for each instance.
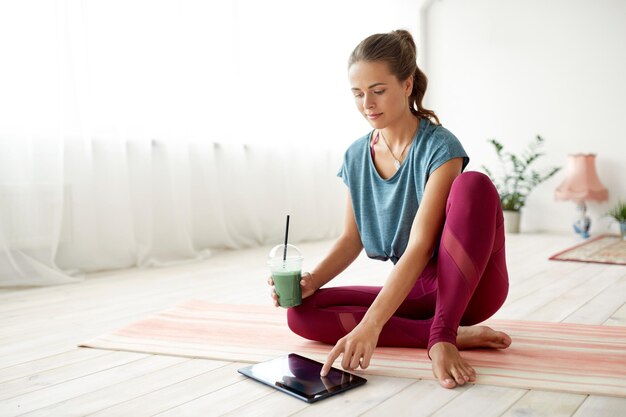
(292, 258)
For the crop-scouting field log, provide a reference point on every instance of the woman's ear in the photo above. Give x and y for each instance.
(408, 86)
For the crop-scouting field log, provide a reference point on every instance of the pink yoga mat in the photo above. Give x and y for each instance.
(583, 359)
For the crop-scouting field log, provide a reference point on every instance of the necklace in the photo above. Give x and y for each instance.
(396, 161)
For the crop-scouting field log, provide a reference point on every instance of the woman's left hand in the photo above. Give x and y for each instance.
(357, 348)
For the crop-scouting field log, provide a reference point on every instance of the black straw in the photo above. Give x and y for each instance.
(286, 235)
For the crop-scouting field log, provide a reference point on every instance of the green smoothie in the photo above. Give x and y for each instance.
(287, 286)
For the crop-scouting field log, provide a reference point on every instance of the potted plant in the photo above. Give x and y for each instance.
(516, 179)
(618, 212)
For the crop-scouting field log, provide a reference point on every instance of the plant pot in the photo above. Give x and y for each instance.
(622, 228)
(511, 221)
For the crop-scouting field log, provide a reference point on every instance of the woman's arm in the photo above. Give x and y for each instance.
(426, 228)
(358, 345)
(344, 251)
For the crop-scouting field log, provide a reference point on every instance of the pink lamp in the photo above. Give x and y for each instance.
(581, 184)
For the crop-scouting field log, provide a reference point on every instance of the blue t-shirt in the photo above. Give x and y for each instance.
(384, 209)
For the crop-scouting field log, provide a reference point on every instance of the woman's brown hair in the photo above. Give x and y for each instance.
(398, 50)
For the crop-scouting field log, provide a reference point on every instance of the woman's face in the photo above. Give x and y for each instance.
(379, 96)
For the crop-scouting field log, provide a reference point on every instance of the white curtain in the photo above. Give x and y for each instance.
(118, 204)
(145, 133)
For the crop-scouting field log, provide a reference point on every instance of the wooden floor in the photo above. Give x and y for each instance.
(42, 372)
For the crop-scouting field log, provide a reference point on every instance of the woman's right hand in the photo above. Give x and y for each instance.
(306, 284)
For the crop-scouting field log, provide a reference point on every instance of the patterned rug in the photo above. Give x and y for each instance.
(575, 358)
(605, 249)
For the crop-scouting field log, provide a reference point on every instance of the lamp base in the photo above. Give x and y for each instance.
(583, 223)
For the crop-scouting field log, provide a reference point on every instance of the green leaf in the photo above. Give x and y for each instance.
(514, 183)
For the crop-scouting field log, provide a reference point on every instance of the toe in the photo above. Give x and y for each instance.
(503, 340)
(447, 381)
(469, 373)
(458, 376)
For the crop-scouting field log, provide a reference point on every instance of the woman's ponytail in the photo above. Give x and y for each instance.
(420, 82)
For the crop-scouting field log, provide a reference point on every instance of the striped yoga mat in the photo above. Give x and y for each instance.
(565, 357)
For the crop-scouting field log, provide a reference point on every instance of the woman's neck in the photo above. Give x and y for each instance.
(401, 132)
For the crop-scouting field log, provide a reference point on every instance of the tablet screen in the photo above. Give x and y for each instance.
(300, 376)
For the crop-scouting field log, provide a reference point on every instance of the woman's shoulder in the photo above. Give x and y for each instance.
(439, 145)
(436, 138)
(439, 133)
(355, 150)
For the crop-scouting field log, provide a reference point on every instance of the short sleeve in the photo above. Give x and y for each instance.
(445, 147)
(343, 173)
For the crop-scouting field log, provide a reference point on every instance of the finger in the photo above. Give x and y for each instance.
(366, 358)
(334, 354)
(356, 359)
(305, 278)
(347, 356)
(270, 281)
(329, 363)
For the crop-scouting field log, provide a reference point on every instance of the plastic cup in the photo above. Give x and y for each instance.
(286, 274)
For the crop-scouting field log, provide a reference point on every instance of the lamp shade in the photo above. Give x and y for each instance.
(581, 182)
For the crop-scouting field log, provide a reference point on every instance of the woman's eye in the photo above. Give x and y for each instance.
(358, 95)
(379, 92)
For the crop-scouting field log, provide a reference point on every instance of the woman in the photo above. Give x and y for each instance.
(408, 201)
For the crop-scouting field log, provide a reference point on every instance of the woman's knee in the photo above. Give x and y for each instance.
(300, 319)
(476, 185)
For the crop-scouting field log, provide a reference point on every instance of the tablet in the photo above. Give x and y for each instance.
(300, 377)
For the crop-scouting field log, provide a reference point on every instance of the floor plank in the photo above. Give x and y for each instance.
(421, 398)
(481, 401)
(526, 305)
(129, 389)
(618, 318)
(175, 395)
(360, 399)
(545, 404)
(221, 401)
(52, 377)
(601, 307)
(274, 404)
(569, 301)
(62, 384)
(50, 362)
(596, 406)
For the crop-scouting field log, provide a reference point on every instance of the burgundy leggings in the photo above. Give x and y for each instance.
(464, 284)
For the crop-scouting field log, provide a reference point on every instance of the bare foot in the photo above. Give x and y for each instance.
(449, 367)
(473, 337)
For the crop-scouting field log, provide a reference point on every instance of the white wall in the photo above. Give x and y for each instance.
(294, 57)
(512, 69)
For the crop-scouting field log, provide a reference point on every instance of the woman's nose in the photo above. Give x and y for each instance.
(368, 101)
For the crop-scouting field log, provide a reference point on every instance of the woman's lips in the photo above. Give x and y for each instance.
(373, 116)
